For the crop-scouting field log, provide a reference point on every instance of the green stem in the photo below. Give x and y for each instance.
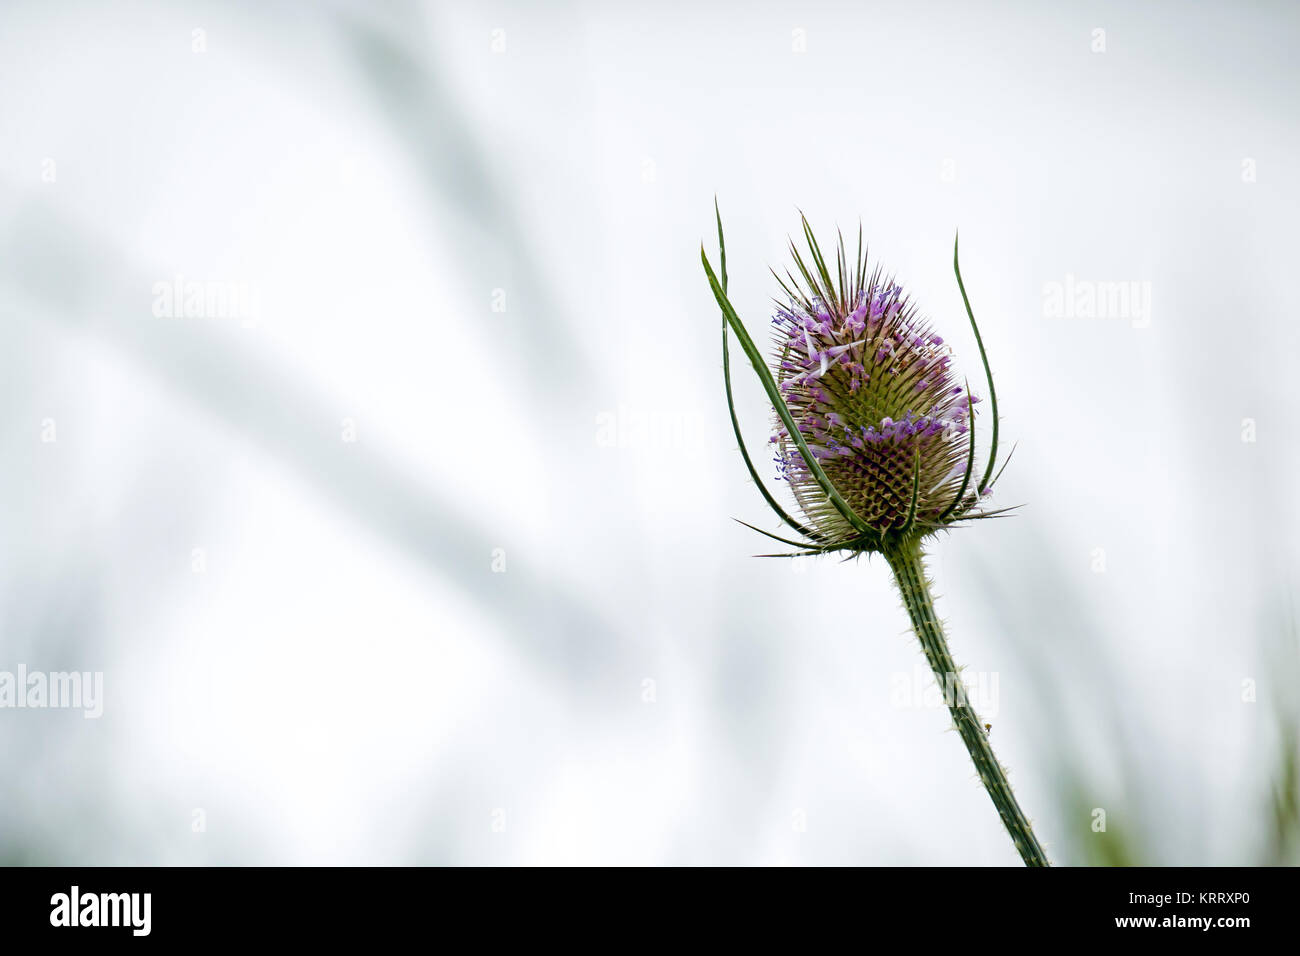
(909, 569)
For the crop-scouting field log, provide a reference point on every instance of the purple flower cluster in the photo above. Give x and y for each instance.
(871, 390)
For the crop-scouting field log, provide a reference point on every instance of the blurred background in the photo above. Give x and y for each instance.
(363, 426)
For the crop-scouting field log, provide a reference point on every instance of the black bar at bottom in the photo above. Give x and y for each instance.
(213, 905)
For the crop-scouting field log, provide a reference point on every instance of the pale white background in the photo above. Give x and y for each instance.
(349, 681)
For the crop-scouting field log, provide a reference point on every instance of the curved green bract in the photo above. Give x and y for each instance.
(774, 396)
(731, 406)
(993, 395)
(774, 537)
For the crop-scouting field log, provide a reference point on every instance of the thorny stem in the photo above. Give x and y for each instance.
(909, 570)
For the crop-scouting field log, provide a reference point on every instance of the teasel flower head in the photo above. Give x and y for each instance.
(874, 429)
